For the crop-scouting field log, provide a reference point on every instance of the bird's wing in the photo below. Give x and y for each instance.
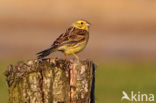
(72, 35)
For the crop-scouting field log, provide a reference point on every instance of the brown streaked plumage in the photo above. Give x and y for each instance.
(72, 41)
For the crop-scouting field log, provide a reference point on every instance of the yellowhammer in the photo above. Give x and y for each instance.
(72, 41)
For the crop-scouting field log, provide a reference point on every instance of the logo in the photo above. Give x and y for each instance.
(138, 97)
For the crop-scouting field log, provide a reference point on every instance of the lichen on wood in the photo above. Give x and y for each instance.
(51, 81)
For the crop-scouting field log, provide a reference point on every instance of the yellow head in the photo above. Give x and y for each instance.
(81, 24)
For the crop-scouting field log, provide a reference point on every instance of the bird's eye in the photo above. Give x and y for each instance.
(81, 22)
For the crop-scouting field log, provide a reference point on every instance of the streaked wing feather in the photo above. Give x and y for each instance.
(72, 35)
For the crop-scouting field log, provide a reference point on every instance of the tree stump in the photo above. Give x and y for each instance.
(51, 81)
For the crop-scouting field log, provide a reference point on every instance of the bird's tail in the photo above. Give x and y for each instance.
(45, 53)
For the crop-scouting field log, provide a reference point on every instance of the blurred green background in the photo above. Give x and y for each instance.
(122, 40)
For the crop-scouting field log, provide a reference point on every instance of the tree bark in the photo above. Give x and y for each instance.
(51, 81)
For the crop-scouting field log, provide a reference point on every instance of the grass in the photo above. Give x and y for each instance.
(111, 80)
(3, 85)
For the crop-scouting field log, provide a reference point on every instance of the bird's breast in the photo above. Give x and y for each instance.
(76, 48)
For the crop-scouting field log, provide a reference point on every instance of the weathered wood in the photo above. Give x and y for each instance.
(51, 81)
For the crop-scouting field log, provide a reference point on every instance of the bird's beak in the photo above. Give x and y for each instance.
(88, 24)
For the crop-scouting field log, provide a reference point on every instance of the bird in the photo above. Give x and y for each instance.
(71, 42)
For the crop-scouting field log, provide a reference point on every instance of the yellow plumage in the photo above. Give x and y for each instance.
(72, 41)
(73, 49)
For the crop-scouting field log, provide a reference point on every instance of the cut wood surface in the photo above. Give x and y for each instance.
(51, 81)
